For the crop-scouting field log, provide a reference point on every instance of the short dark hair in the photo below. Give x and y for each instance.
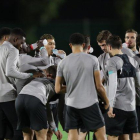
(114, 41)
(138, 40)
(103, 35)
(87, 42)
(4, 31)
(77, 39)
(52, 70)
(47, 36)
(18, 31)
(131, 31)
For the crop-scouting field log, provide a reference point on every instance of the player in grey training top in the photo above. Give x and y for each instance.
(137, 58)
(46, 52)
(122, 70)
(9, 54)
(32, 100)
(80, 70)
(101, 40)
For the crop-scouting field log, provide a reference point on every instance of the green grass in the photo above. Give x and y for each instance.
(65, 134)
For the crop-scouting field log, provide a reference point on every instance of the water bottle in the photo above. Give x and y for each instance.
(34, 45)
(55, 51)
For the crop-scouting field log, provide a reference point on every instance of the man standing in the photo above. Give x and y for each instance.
(122, 70)
(79, 70)
(9, 53)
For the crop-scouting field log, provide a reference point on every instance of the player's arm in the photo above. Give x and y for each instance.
(52, 122)
(112, 73)
(59, 87)
(137, 79)
(98, 83)
(11, 66)
(100, 88)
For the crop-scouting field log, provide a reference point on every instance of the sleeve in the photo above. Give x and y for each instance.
(38, 61)
(44, 55)
(112, 73)
(11, 66)
(137, 79)
(127, 51)
(99, 58)
(57, 60)
(50, 118)
(60, 70)
(96, 64)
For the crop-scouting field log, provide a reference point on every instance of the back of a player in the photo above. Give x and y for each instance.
(80, 72)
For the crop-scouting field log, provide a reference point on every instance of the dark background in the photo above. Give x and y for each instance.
(61, 18)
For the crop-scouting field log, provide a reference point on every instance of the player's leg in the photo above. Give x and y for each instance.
(131, 125)
(49, 134)
(82, 136)
(36, 111)
(41, 134)
(93, 120)
(28, 134)
(2, 123)
(73, 134)
(101, 133)
(10, 111)
(124, 137)
(72, 122)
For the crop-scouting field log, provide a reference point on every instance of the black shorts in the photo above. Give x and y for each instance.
(138, 116)
(91, 118)
(8, 121)
(31, 113)
(124, 122)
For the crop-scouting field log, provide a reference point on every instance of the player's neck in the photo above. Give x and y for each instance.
(134, 49)
(77, 49)
(116, 51)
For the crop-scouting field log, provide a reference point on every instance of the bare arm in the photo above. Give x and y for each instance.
(100, 88)
(59, 88)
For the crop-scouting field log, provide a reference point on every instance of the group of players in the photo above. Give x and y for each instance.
(38, 87)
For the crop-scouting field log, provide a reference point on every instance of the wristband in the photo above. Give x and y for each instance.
(56, 129)
(31, 74)
(41, 48)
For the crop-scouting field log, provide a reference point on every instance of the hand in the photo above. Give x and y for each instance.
(110, 113)
(40, 44)
(61, 52)
(58, 134)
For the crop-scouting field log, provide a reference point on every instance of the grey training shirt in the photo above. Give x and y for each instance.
(9, 57)
(137, 58)
(78, 71)
(121, 90)
(39, 88)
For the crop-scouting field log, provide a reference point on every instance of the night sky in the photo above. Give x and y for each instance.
(69, 10)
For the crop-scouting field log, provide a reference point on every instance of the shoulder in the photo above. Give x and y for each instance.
(134, 60)
(115, 61)
(137, 58)
(127, 51)
(101, 56)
